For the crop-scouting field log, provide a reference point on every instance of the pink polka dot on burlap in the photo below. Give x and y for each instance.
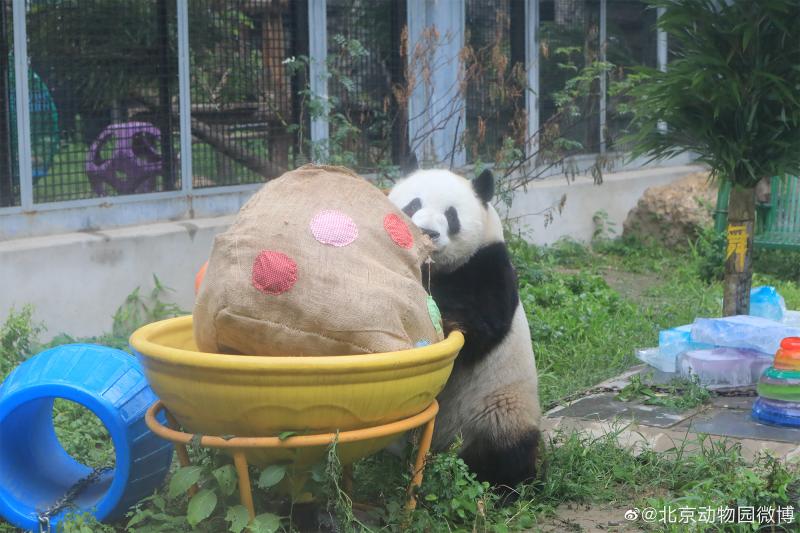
(274, 272)
(398, 230)
(334, 228)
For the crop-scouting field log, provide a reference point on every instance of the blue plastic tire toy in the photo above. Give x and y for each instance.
(777, 413)
(36, 471)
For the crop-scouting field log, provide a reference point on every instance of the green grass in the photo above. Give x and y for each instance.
(209, 166)
(67, 180)
(585, 331)
(589, 308)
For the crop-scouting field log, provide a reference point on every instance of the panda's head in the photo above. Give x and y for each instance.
(454, 212)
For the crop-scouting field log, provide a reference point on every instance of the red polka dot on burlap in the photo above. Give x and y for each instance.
(274, 272)
(334, 228)
(398, 230)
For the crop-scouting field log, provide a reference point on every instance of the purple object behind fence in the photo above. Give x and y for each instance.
(135, 161)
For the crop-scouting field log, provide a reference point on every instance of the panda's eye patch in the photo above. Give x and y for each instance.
(412, 207)
(453, 224)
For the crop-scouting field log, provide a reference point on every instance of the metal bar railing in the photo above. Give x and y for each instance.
(184, 97)
(22, 104)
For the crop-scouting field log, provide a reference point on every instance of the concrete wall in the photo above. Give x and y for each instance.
(76, 281)
(619, 193)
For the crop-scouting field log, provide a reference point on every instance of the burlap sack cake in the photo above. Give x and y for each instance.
(318, 262)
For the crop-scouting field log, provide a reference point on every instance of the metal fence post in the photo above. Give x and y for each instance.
(532, 73)
(661, 52)
(6, 165)
(604, 74)
(661, 44)
(164, 121)
(184, 96)
(318, 72)
(23, 105)
(436, 108)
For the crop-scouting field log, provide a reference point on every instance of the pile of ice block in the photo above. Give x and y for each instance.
(779, 387)
(732, 351)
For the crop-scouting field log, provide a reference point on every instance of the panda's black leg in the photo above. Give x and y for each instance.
(506, 464)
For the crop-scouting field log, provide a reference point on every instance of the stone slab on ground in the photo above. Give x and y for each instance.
(642, 426)
(605, 406)
(739, 424)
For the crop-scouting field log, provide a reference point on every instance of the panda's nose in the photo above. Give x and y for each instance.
(430, 233)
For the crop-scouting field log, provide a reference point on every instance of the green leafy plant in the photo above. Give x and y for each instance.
(82, 434)
(138, 310)
(82, 522)
(679, 393)
(604, 227)
(213, 507)
(709, 253)
(450, 497)
(717, 475)
(451, 492)
(729, 96)
(17, 338)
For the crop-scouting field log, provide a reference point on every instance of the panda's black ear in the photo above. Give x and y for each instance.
(484, 186)
(409, 164)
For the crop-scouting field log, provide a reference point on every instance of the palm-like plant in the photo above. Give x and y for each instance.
(731, 96)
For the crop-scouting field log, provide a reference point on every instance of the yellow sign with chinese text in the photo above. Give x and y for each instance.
(737, 244)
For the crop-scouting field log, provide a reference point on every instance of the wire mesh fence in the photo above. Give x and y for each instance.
(569, 41)
(366, 84)
(248, 116)
(104, 79)
(9, 167)
(630, 42)
(495, 77)
(104, 95)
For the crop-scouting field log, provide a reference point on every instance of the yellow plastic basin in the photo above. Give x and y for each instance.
(260, 396)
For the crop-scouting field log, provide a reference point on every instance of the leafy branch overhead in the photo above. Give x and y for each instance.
(731, 93)
(730, 96)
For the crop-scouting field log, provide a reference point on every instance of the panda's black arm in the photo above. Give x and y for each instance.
(481, 298)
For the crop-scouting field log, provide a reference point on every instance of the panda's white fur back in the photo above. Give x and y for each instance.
(505, 381)
(491, 399)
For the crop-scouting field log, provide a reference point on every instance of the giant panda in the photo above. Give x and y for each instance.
(491, 398)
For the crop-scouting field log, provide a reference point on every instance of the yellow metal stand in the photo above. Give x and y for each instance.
(240, 444)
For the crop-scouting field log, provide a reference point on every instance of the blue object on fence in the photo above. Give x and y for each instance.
(45, 134)
(766, 302)
(36, 471)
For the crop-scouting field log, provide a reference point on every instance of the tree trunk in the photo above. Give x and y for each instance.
(739, 253)
(230, 148)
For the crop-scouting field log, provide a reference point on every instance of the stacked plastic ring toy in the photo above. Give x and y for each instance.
(779, 387)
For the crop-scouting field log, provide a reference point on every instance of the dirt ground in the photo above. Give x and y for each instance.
(579, 518)
(630, 285)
